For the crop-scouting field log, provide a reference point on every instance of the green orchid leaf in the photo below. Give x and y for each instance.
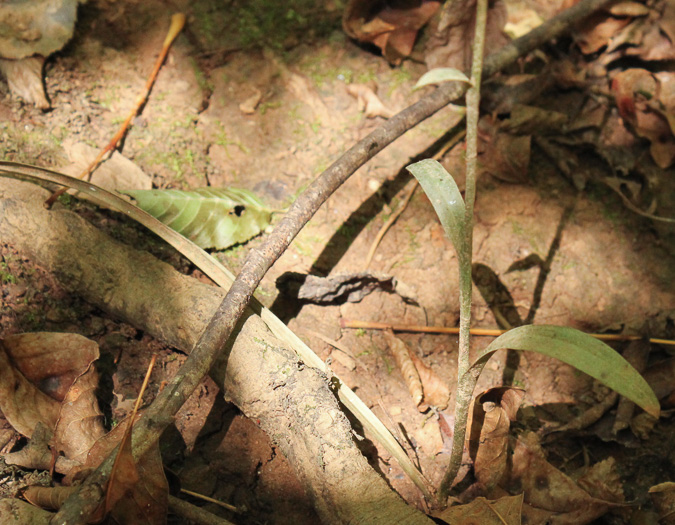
(446, 199)
(210, 217)
(581, 351)
(441, 74)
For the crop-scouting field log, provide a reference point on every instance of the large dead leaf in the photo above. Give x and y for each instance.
(80, 421)
(138, 493)
(392, 28)
(50, 361)
(452, 33)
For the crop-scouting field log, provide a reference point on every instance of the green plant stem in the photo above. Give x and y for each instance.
(465, 381)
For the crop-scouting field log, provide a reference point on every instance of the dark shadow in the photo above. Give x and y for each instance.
(336, 247)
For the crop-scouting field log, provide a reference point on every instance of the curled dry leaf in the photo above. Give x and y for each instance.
(406, 366)
(368, 101)
(80, 421)
(436, 391)
(663, 497)
(492, 415)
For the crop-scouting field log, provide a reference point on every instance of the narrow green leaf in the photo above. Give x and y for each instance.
(581, 351)
(210, 217)
(441, 74)
(446, 199)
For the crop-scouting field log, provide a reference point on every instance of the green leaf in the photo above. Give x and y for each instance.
(441, 74)
(581, 351)
(446, 199)
(210, 217)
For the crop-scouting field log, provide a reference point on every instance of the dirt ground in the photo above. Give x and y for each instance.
(611, 270)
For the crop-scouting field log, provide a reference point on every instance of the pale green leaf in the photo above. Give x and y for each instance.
(446, 199)
(441, 74)
(210, 217)
(581, 351)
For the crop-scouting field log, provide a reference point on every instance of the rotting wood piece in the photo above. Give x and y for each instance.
(150, 294)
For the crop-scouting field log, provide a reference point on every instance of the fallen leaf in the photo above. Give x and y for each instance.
(405, 364)
(503, 511)
(436, 391)
(116, 173)
(248, 106)
(210, 217)
(391, 28)
(493, 412)
(663, 497)
(368, 101)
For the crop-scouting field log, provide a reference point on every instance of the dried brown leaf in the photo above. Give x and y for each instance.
(405, 365)
(493, 412)
(436, 391)
(368, 101)
(504, 511)
(391, 28)
(549, 490)
(50, 498)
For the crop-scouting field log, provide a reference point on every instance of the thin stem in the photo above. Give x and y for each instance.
(466, 382)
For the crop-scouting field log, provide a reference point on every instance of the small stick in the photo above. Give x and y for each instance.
(177, 23)
(489, 332)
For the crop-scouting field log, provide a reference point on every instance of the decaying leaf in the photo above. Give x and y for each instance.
(391, 28)
(368, 101)
(18, 512)
(436, 391)
(50, 361)
(440, 75)
(452, 33)
(503, 511)
(550, 492)
(492, 415)
(663, 497)
(116, 173)
(210, 217)
(402, 357)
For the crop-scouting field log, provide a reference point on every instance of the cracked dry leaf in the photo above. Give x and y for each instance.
(368, 101)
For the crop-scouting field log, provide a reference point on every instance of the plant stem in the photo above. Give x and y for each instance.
(466, 382)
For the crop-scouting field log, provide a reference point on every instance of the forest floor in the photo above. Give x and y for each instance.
(611, 270)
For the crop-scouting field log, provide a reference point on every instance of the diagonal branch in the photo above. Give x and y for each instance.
(160, 414)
